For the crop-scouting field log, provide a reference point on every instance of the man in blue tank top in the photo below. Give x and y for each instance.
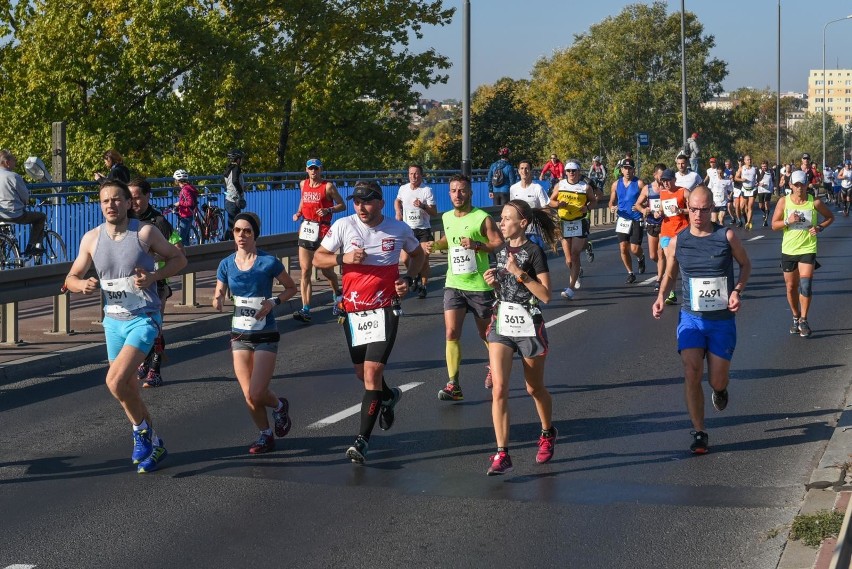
(705, 254)
(628, 227)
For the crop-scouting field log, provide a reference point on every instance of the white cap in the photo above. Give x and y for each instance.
(799, 177)
(572, 166)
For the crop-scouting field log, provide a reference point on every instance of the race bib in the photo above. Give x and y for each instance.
(572, 228)
(463, 261)
(804, 220)
(710, 293)
(655, 205)
(413, 216)
(514, 321)
(244, 310)
(309, 231)
(122, 296)
(623, 225)
(670, 208)
(367, 327)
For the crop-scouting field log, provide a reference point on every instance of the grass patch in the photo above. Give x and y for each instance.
(813, 528)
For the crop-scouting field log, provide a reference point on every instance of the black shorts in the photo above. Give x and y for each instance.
(765, 197)
(374, 351)
(790, 263)
(653, 229)
(480, 302)
(635, 235)
(309, 245)
(423, 235)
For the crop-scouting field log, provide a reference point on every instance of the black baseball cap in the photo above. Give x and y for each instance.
(668, 174)
(367, 191)
(806, 156)
(628, 163)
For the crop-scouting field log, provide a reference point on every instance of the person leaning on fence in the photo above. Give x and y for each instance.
(235, 200)
(14, 196)
(117, 170)
(187, 204)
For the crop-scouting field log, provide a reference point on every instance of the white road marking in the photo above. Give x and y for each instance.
(648, 281)
(756, 237)
(20, 566)
(337, 417)
(564, 317)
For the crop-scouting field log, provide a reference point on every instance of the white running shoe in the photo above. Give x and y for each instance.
(568, 294)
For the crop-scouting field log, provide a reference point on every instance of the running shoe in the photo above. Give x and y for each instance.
(302, 315)
(568, 294)
(804, 329)
(153, 461)
(489, 380)
(642, 265)
(631, 278)
(579, 276)
(766, 221)
(748, 226)
(154, 379)
(656, 286)
(264, 443)
(740, 223)
(546, 445)
(794, 328)
(386, 414)
(501, 463)
(451, 392)
(671, 298)
(358, 451)
(590, 252)
(335, 306)
(282, 419)
(142, 370)
(699, 442)
(142, 445)
(720, 399)
(421, 294)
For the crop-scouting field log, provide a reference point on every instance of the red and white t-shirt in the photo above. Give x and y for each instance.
(370, 284)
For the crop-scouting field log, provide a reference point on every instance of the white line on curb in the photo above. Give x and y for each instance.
(330, 420)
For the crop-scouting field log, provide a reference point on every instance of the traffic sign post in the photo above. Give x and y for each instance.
(642, 139)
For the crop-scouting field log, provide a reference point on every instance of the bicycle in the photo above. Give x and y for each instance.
(53, 248)
(207, 227)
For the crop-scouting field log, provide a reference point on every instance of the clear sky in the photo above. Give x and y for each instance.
(745, 32)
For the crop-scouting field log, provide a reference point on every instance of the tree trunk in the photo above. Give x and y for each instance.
(284, 135)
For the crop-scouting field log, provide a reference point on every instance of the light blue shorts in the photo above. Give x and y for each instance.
(139, 332)
(719, 337)
(664, 241)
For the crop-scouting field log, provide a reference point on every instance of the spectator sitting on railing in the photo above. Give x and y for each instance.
(117, 170)
(14, 196)
(187, 204)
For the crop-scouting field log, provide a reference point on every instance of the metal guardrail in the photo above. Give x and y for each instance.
(33, 283)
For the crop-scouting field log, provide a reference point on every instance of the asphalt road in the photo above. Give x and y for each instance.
(622, 490)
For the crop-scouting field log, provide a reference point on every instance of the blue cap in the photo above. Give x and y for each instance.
(314, 162)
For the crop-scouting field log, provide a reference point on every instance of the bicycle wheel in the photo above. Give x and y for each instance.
(216, 226)
(194, 236)
(54, 249)
(10, 255)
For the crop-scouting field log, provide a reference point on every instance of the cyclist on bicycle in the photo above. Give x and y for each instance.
(235, 200)
(14, 196)
(187, 204)
(597, 176)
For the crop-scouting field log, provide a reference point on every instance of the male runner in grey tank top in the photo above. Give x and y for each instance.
(121, 250)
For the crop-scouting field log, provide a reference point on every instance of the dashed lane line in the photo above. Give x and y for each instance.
(564, 317)
(756, 237)
(337, 417)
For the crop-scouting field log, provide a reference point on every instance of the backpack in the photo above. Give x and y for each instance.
(498, 178)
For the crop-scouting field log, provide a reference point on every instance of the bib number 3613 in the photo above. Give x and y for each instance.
(367, 327)
(514, 321)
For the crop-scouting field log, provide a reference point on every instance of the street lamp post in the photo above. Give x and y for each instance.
(683, 67)
(465, 163)
(825, 82)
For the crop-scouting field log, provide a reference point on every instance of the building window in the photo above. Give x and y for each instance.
(831, 82)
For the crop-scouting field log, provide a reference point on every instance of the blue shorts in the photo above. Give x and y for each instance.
(139, 332)
(664, 241)
(719, 337)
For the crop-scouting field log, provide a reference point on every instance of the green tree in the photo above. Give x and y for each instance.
(622, 77)
(806, 136)
(176, 84)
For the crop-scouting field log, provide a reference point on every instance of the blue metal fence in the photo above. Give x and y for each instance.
(273, 196)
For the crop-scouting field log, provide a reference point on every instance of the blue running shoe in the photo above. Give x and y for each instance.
(142, 445)
(152, 463)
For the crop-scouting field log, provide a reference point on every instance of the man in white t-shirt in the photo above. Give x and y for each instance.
(532, 193)
(712, 172)
(415, 205)
(684, 178)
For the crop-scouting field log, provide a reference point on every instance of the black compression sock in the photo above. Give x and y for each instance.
(387, 394)
(370, 407)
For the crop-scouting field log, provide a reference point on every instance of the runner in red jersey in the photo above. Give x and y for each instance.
(368, 245)
(320, 200)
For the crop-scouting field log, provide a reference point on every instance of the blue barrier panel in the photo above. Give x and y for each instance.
(78, 212)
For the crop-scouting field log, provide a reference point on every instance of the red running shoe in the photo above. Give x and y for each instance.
(501, 463)
(546, 446)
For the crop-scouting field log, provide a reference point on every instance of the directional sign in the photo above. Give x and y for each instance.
(642, 139)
